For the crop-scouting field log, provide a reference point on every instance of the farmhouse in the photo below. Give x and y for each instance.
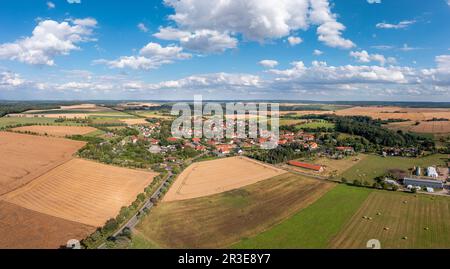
(224, 149)
(422, 182)
(314, 167)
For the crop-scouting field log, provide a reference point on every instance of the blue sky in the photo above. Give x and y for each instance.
(275, 49)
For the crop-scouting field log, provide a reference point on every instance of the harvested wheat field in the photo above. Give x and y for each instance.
(21, 228)
(139, 121)
(60, 131)
(432, 127)
(82, 191)
(387, 112)
(398, 221)
(212, 177)
(30, 156)
(220, 220)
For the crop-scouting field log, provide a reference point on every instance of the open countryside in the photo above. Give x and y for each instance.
(116, 178)
(220, 220)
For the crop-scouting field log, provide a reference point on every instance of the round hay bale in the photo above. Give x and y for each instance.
(386, 228)
(379, 214)
(405, 238)
(426, 228)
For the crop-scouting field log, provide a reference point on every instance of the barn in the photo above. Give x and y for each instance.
(314, 167)
(422, 182)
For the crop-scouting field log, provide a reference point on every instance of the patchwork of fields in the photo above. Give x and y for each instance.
(314, 226)
(222, 219)
(48, 197)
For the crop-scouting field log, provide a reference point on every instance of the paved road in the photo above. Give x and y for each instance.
(131, 224)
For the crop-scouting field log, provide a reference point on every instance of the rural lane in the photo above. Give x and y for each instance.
(147, 206)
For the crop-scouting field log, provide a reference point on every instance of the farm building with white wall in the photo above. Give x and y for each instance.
(429, 183)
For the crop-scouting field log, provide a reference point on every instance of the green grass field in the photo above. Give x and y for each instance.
(315, 125)
(287, 122)
(314, 226)
(139, 242)
(220, 220)
(374, 166)
(398, 220)
(11, 121)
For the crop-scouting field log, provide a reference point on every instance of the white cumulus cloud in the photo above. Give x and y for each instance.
(152, 56)
(49, 39)
(268, 63)
(317, 52)
(253, 19)
(364, 57)
(293, 40)
(9, 79)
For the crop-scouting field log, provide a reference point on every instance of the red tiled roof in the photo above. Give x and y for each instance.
(306, 165)
(344, 148)
(172, 139)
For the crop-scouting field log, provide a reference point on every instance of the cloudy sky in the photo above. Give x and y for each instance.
(384, 50)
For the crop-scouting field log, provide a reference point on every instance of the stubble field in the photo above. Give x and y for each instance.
(82, 191)
(22, 228)
(212, 177)
(60, 131)
(398, 221)
(220, 220)
(25, 157)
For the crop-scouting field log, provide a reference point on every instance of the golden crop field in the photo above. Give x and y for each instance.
(82, 191)
(432, 127)
(31, 156)
(212, 177)
(386, 112)
(138, 121)
(60, 131)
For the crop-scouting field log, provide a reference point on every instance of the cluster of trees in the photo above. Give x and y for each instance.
(373, 131)
(294, 128)
(282, 153)
(129, 155)
(19, 107)
(378, 184)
